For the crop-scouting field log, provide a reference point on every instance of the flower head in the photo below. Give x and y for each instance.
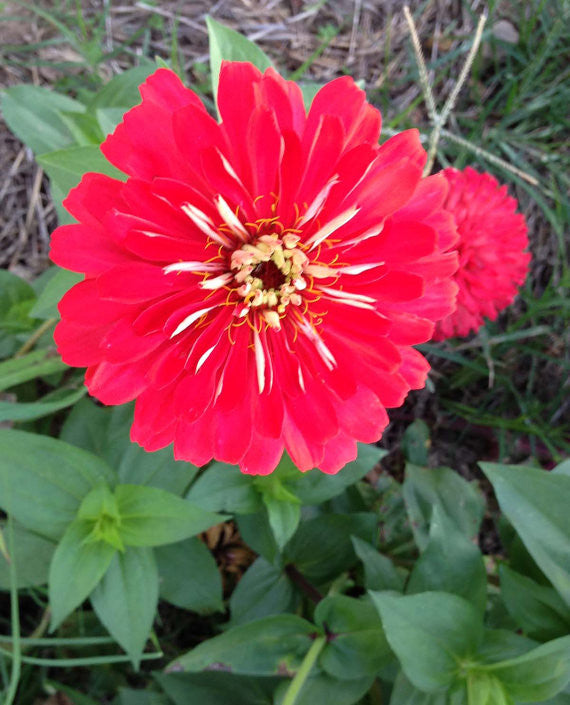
(256, 284)
(492, 240)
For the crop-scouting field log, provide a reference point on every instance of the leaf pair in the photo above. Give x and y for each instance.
(440, 642)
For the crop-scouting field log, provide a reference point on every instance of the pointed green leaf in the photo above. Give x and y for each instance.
(284, 516)
(217, 688)
(34, 114)
(126, 598)
(77, 567)
(30, 366)
(537, 675)
(267, 647)
(189, 576)
(357, 646)
(28, 411)
(538, 609)
(65, 167)
(405, 693)
(43, 481)
(105, 432)
(122, 91)
(229, 45)
(485, 689)
(416, 442)
(379, 571)
(315, 487)
(223, 488)
(450, 563)
(431, 634)
(536, 503)
(32, 558)
(152, 517)
(426, 487)
(46, 305)
(322, 547)
(262, 591)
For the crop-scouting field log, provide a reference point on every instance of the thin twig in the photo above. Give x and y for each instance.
(424, 80)
(36, 335)
(450, 102)
(490, 157)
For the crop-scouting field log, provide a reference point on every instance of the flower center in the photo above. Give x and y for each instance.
(268, 275)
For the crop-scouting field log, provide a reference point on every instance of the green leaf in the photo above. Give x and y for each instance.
(30, 366)
(431, 634)
(101, 510)
(315, 487)
(141, 697)
(84, 128)
(322, 547)
(16, 300)
(501, 644)
(257, 534)
(229, 45)
(416, 443)
(450, 563)
(562, 468)
(537, 675)
(189, 576)
(109, 118)
(43, 481)
(485, 689)
(426, 487)
(217, 688)
(152, 517)
(405, 693)
(224, 488)
(126, 598)
(357, 646)
(538, 609)
(66, 167)
(379, 571)
(536, 503)
(49, 404)
(284, 517)
(105, 432)
(46, 305)
(77, 567)
(122, 91)
(320, 688)
(32, 558)
(34, 114)
(262, 591)
(267, 647)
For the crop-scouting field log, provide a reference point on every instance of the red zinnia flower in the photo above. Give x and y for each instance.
(256, 284)
(492, 240)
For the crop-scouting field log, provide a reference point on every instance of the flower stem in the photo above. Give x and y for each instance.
(302, 674)
(16, 654)
(36, 335)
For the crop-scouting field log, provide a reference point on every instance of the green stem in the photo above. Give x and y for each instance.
(72, 662)
(302, 674)
(36, 335)
(16, 654)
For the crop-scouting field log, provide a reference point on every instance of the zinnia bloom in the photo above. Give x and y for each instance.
(492, 240)
(256, 284)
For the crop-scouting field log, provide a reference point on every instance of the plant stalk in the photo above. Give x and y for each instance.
(302, 674)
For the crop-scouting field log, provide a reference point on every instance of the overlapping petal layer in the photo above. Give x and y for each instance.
(491, 245)
(256, 284)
